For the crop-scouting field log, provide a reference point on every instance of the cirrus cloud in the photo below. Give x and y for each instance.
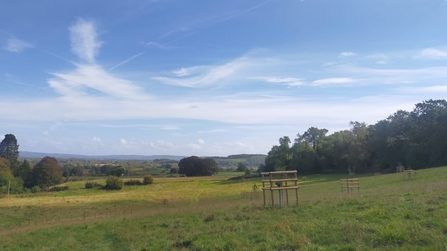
(16, 45)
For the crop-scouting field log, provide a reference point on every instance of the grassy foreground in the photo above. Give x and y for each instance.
(390, 213)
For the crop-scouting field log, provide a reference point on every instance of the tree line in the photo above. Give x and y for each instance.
(19, 177)
(415, 139)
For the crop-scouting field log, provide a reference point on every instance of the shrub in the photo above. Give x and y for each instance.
(133, 183)
(91, 184)
(148, 179)
(35, 189)
(114, 183)
(59, 188)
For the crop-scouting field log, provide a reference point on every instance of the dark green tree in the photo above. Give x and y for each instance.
(47, 173)
(9, 149)
(25, 173)
(195, 166)
(279, 157)
(241, 167)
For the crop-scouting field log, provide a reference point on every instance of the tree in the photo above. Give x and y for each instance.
(114, 183)
(112, 170)
(117, 171)
(279, 157)
(311, 137)
(47, 172)
(148, 179)
(25, 172)
(9, 148)
(241, 167)
(195, 166)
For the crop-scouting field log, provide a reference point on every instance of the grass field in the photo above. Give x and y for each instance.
(389, 213)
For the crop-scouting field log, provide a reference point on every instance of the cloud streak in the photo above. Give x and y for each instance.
(431, 53)
(199, 76)
(126, 61)
(281, 80)
(17, 45)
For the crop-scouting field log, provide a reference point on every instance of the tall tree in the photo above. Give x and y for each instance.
(9, 149)
(311, 136)
(279, 157)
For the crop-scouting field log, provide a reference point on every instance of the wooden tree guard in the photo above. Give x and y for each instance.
(408, 174)
(349, 185)
(400, 169)
(282, 187)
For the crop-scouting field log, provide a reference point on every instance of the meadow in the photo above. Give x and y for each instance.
(209, 213)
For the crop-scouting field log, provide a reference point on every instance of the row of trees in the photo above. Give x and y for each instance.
(17, 177)
(416, 139)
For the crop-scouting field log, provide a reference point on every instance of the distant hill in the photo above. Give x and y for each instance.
(35, 155)
(251, 160)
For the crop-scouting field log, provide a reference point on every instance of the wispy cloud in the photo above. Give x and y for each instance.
(204, 75)
(84, 41)
(431, 53)
(157, 45)
(333, 81)
(347, 54)
(126, 61)
(191, 28)
(280, 80)
(16, 45)
(91, 76)
(379, 58)
(77, 82)
(181, 72)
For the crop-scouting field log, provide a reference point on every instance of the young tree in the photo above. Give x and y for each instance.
(47, 172)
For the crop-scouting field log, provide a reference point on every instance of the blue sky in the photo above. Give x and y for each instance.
(210, 78)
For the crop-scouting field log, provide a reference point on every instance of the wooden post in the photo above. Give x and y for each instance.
(271, 191)
(84, 215)
(20, 222)
(263, 185)
(296, 190)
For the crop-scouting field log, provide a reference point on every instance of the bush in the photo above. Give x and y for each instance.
(35, 189)
(133, 183)
(114, 183)
(91, 184)
(148, 179)
(59, 188)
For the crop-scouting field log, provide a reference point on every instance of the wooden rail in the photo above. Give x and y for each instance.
(349, 185)
(280, 185)
(409, 174)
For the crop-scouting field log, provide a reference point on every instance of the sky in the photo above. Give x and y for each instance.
(210, 78)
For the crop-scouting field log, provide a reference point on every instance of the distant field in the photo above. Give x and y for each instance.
(209, 213)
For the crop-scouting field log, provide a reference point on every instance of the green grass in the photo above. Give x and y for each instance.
(389, 213)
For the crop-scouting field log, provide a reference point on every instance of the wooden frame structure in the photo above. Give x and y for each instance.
(400, 169)
(281, 184)
(408, 174)
(349, 185)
